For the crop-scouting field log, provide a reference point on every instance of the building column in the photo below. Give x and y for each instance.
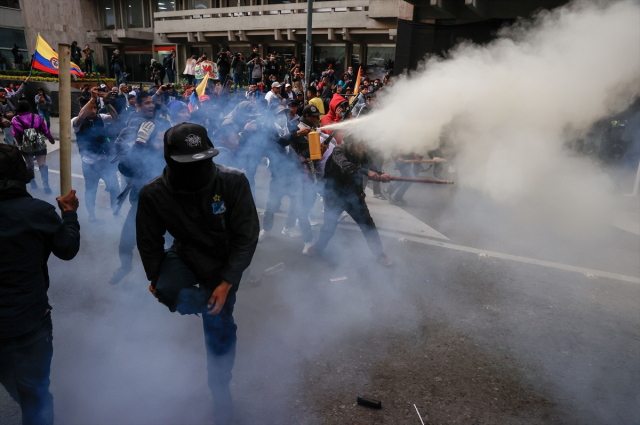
(348, 51)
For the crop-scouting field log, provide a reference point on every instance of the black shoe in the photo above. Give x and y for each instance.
(47, 190)
(118, 275)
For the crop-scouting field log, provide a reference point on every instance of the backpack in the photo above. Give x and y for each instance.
(32, 140)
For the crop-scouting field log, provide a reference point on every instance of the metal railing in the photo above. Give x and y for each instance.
(267, 9)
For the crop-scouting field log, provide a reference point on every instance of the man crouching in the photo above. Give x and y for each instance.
(210, 212)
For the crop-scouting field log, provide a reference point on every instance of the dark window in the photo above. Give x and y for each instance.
(165, 5)
(108, 14)
(13, 4)
(133, 10)
(9, 37)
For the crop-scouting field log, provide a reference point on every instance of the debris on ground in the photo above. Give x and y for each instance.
(367, 402)
(403, 240)
(483, 255)
(336, 279)
(591, 275)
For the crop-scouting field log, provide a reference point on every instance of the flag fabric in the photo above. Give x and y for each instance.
(46, 59)
(194, 99)
(356, 90)
(203, 85)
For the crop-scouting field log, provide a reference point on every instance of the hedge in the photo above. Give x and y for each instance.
(6, 76)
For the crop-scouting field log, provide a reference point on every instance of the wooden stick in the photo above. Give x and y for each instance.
(417, 180)
(64, 106)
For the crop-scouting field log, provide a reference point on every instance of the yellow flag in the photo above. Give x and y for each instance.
(203, 85)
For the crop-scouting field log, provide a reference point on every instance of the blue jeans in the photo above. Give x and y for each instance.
(171, 75)
(3, 66)
(120, 78)
(8, 137)
(106, 171)
(45, 114)
(176, 288)
(237, 82)
(25, 365)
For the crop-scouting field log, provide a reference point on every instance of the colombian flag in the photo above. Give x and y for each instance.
(45, 59)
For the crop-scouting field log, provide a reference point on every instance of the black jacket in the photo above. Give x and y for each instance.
(30, 230)
(344, 174)
(238, 66)
(215, 230)
(224, 66)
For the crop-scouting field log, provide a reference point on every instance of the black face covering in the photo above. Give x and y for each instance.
(189, 176)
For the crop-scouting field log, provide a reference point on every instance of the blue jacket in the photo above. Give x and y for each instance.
(30, 230)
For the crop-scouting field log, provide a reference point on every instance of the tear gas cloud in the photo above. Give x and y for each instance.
(506, 107)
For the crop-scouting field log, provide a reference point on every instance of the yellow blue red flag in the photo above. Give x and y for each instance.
(46, 59)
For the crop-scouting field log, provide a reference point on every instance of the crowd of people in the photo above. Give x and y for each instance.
(190, 163)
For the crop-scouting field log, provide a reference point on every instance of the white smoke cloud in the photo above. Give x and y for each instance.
(507, 105)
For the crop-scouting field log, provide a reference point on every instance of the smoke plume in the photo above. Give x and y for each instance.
(508, 106)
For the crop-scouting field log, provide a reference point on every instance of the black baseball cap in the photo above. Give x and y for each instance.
(311, 110)
(188, 143)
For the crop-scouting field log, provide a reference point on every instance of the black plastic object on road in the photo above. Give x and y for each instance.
(367, 402)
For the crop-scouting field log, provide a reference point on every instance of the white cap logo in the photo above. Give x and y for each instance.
(193, 141)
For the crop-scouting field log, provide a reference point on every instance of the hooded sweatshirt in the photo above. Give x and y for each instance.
(332, 117)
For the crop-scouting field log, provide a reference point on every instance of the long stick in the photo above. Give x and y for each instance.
(64, 90)
(308, 54)
(417, 180)
(33, 55)
(418, 414)
(420, 161)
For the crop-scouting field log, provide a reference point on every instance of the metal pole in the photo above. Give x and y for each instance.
(636, 185)
(64, 88)
(309, 58)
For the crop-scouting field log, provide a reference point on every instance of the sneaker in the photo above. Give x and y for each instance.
(315, 221)
(387, 194)
(385, 261)
(33, 184)
(118, 275)
(400, 201)
(263, 235)
(309, 251)
(293, 233)
(378, 196)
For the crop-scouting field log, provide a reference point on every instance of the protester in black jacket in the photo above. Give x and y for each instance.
(30, 230)
(210, 212)
(343, 174)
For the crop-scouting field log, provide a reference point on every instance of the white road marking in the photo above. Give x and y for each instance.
(587, 272)
(391, 217)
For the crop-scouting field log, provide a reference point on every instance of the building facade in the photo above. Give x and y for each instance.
(354, 32)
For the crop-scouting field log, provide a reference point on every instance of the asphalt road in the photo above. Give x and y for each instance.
(486, 318)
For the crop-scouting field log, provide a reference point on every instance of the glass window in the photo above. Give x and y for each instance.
(377, 56)
(147, 14)
(13, 4)
(133, 9)
(165, 5)
(355, 57)
(108, 14)
(9, 37)
(325, 55)
(199, 4)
